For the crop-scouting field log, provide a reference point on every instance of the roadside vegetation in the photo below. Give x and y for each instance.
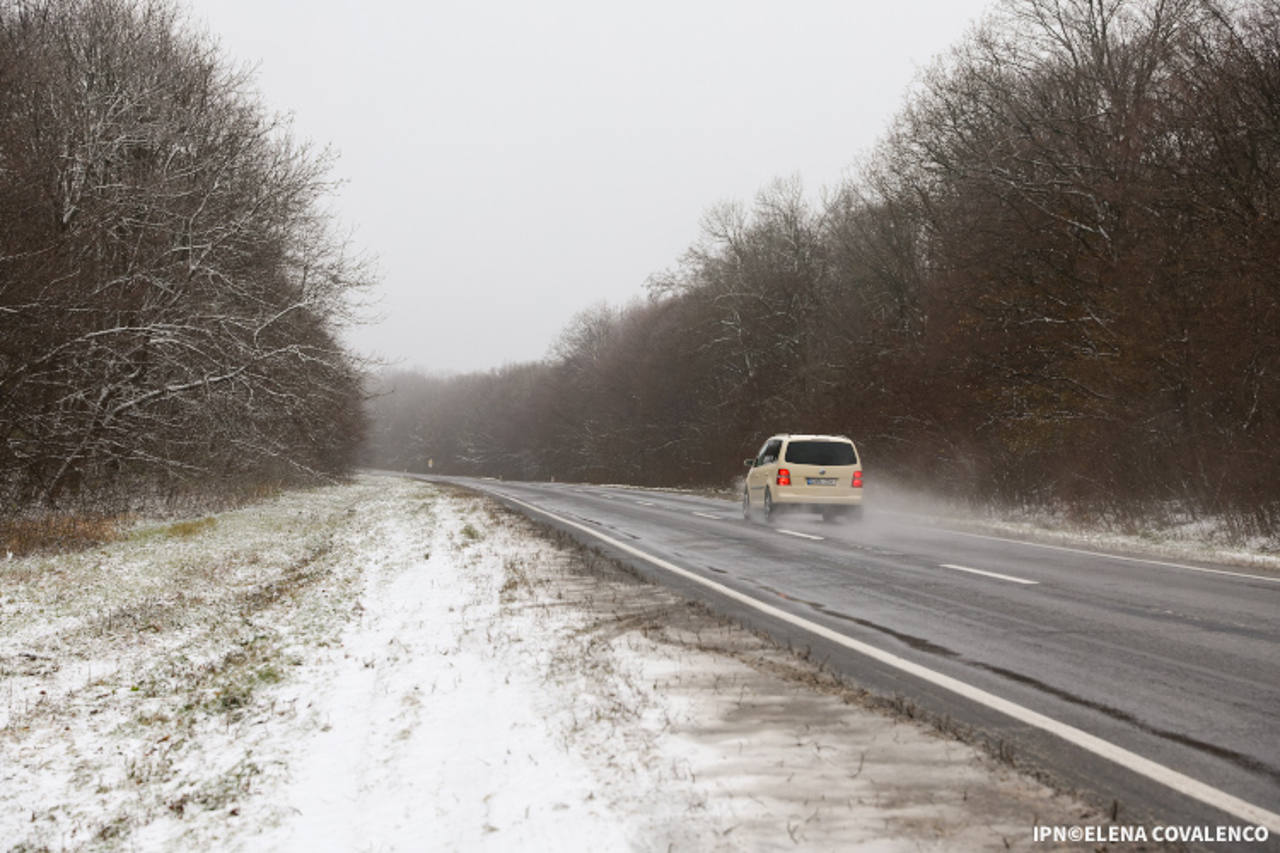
(1051, 287)
(171, 287)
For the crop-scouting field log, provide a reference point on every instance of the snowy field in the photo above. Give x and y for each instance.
(389, 666)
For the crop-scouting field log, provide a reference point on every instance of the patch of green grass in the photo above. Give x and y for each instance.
(176, 530)
(229, 685)
(269, 675)
(470, 533)
(186, 529)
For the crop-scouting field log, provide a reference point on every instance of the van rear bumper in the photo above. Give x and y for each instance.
(801, 500)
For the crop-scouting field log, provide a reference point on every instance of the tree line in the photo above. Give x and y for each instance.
(1053, 282)
(171, 289)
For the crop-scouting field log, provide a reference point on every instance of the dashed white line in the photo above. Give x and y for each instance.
(708, 515)
(990, 574)
(646, 503)
(801, 535)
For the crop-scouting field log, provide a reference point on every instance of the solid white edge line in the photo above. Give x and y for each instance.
(1107, 556)
(990, 574)
(801, 535)
(1166, 776)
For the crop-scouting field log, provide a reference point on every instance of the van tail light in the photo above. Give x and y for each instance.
(784, 477)
(857, 479)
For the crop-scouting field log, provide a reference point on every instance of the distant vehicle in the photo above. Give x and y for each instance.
(804, 473)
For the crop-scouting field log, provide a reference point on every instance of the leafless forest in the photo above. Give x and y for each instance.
(170, 289)
(1053, 283)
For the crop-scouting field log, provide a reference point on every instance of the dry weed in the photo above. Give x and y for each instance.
(55, 532)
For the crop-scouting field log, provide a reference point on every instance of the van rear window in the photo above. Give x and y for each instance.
(821, 453)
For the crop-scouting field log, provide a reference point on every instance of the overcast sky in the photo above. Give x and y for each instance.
(512, 163)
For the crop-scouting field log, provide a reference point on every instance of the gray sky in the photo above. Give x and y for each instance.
(511, 163)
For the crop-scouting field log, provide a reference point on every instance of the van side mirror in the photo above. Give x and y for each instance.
(750, 463)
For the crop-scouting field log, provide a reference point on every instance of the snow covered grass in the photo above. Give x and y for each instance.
(131, 669)
(392, 666)
(1208, 540)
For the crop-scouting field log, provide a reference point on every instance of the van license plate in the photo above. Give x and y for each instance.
(821, 481)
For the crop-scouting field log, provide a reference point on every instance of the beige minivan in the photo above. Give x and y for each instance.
(806, 473)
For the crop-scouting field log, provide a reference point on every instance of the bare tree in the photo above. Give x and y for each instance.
(171, 292)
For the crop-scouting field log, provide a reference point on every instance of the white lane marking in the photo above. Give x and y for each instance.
(607, 497)
(708, 515)
(646, 503)
(1107, 556)
(989, 574)
(1166, 776)
(801, 535)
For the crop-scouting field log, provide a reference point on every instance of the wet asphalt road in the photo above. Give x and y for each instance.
(1176, 663)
